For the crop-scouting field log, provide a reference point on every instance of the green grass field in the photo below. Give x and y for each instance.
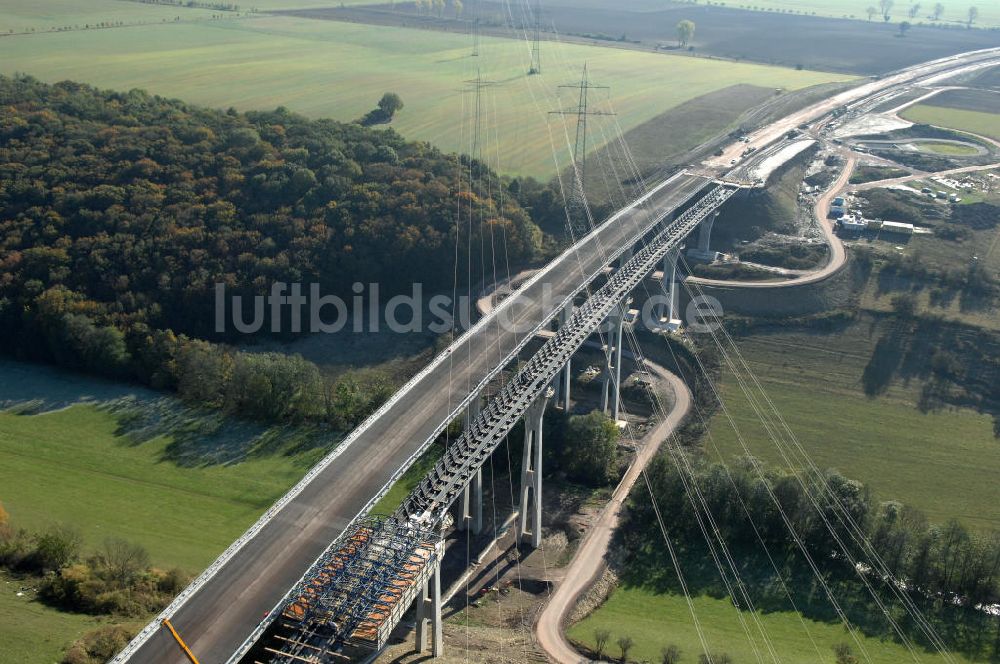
(944, 463)
(73, 466)
(951, 149)
(339, 70)
(982, 246)
(954, 10)
(32, 633)
(280, 5)
(984, 124)
(654, 621)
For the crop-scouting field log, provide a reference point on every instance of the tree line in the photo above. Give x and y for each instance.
(672, 654)
(935, 12)
(948, 570)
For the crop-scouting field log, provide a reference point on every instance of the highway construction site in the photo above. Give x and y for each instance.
(369, 570)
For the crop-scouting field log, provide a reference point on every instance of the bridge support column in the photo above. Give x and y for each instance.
(429, 602)
(670, 309)
(469, 507)
(611, 388)
(468, 510)
(561, 384)
(530, 514)
(477, 502)
(437, 634)
(705, 234)
(566, 376)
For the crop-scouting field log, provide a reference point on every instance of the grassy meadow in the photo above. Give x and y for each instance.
(655, 621)
(948, 149)
(282, 5)
(981, 246)
(112, 460)
(74, 466)
(944, 462)
(31, 632)
(984, 124)
(339, 70)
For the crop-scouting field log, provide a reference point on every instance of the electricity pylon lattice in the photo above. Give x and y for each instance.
(578, 213)
(536, 54)
(476, 86)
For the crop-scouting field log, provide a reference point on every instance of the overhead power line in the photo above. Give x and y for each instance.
(577, 202)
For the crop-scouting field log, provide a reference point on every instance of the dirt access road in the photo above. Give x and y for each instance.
(838, 255)
(588, 563)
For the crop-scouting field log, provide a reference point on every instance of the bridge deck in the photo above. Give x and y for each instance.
(224, 611)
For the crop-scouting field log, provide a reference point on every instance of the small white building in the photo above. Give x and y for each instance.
(852, 224)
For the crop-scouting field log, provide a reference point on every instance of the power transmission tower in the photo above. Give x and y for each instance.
(536, 55)
(476, 86)
(475, 38)
(578, 198)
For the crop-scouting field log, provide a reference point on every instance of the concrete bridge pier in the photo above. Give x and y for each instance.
(530, 514)
(669, 310)
(429, 610)
(561, 384)
(611, 387)
(705, 231)
(702, 251)
(468, 510)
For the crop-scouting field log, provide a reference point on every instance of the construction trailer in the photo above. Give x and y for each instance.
(897, 227)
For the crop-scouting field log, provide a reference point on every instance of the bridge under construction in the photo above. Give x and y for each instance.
(317, 578)
(368, 602)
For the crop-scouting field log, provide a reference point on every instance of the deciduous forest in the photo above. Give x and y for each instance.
(119, 212)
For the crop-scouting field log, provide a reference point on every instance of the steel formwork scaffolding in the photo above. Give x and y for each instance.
(357, 591)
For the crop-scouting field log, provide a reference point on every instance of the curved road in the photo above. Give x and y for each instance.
(924, 175)
(588, 563)
(838, 255)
